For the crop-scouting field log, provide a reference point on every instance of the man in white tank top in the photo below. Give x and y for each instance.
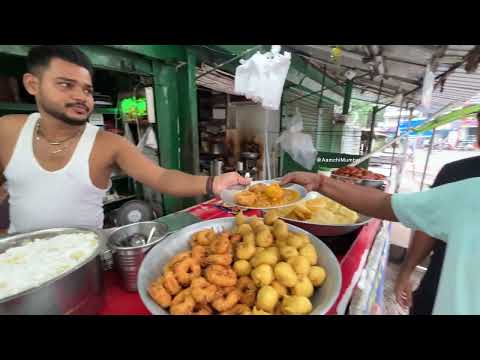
(58, 166)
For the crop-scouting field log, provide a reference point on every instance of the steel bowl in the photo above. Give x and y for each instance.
(152, 266)
(325, 229)
(127, 258)
(79, 291)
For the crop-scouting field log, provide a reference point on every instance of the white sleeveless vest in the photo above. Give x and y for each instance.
(41, 199)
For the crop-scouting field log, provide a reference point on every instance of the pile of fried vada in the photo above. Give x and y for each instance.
(258, 267)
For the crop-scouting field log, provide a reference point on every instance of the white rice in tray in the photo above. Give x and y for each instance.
(39, 261)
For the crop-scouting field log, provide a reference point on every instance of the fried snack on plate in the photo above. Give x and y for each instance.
(302, 212)
(246, 198)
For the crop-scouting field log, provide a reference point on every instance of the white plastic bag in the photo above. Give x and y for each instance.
(262, 77)
(275, 75)
(297, 144)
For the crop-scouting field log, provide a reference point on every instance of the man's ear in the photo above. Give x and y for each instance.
(31, 83)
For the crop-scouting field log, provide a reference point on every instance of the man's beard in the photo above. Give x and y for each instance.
(64, 117)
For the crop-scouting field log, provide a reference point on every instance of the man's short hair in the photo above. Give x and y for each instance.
(40, 56)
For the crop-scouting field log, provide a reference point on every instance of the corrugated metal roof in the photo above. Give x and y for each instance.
(403, 70)
(459, 86)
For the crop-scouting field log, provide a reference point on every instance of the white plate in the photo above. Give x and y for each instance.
(228, 195)
(152, 266)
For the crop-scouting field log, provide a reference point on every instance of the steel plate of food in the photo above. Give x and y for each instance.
(266, 194)
(241, 266)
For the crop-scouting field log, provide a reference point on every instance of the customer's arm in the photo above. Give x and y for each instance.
(433, 211)
(365, 200)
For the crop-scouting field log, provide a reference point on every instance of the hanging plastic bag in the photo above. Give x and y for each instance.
(262, 77)
(276, 70)
(297, 144)
(427, 89)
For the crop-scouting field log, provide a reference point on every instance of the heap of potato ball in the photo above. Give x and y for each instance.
(282, 264)
(270, 270)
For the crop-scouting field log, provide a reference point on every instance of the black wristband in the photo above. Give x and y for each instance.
(209, 187)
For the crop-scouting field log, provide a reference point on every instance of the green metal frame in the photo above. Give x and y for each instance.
(348, 97)
(171, 113)
(166, 113)
(157, 52)
(101, 56)
(28, 108)
(188, 121)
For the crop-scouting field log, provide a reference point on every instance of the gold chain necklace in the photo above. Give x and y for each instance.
(54, 143)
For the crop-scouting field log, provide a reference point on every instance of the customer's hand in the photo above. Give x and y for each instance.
(226, 180)
(403, 289)
(311, 181)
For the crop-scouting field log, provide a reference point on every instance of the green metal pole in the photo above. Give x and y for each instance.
(166, 113)
(348, 97)
(188, 120)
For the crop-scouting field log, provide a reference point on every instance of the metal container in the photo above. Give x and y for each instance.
(323, 297)
(79, 291)
(127, 258)
(216, 167)
(217, 148)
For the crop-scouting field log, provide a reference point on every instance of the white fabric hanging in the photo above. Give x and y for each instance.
(262, 77)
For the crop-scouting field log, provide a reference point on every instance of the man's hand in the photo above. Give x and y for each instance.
(311, 181)
(403, 289)
(226, 180)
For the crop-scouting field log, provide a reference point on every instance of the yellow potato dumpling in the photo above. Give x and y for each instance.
(240, 219)
(303, 287)
(285, 275)
(286, 252)
(274, 250)
(267, 299)
(305, 238)
(294, 240)
(264, 238)
(245, 251)
(300, 264)
(310, 253)
(317, 275)
(260, 228)
(242, 267)
(257, 225)
(262, 275)
(258, 250)
(280, 230)
(265, 257)
(296, 305)
(281, 243)
(279, 288)
(244, 229)
(270, 217)
(249, 238)
(256, 311)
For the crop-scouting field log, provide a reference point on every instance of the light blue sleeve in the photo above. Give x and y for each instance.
(434, 211)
